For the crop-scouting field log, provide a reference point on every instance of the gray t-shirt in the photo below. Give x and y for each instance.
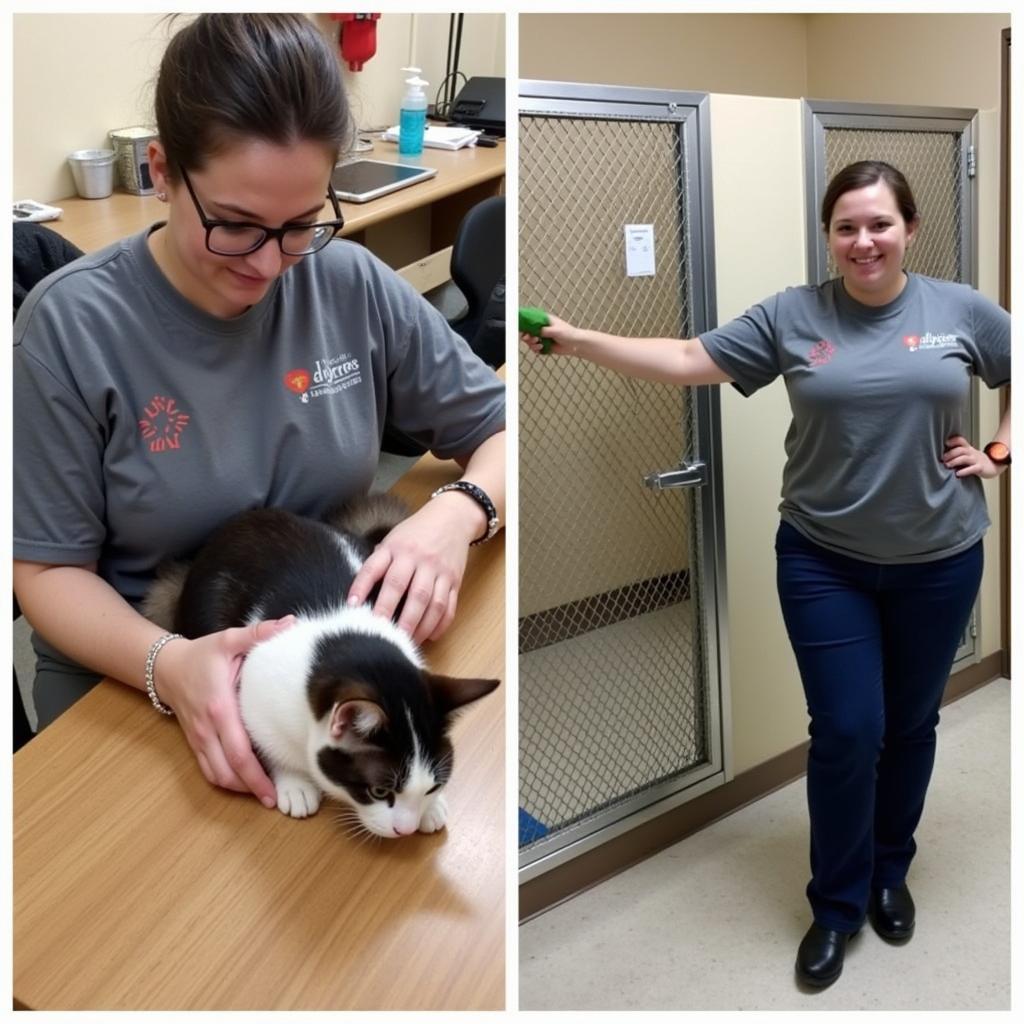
(141, 423)
(875, 391)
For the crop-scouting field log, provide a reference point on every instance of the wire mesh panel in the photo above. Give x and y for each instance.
(614, 694)
(931, 163)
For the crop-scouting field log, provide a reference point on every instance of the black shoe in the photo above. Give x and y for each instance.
(819, 961)
(892, 913)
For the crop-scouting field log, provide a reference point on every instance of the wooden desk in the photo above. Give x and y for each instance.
(139, 886)
(464, 177)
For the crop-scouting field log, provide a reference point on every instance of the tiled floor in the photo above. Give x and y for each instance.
(714, 921)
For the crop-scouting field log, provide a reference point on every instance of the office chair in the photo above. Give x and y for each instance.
(478, 269)
(37, 251)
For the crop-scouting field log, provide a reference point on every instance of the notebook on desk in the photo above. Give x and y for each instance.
(363, 180)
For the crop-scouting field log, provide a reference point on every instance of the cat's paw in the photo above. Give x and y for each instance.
(297, 797)
(435, 815)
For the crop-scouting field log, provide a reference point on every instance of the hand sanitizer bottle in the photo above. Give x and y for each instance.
(413, 120)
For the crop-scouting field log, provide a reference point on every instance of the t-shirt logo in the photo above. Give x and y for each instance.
(821, 353)
(332, 374)
(918, 341)
(298, 381)
(162, 424)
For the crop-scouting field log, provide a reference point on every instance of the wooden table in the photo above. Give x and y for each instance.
(464, 177)
(137, 885)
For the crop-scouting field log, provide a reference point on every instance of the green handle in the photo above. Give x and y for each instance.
(531, 320)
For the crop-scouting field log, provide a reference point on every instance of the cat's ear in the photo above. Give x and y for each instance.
(359, 717)
(451, 692)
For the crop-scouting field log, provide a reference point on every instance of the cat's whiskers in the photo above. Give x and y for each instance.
(351, 825)
(442, 767)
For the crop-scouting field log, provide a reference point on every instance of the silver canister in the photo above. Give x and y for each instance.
(93, 171)
(131, 146)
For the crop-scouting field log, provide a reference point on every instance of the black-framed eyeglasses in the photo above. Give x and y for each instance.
(239, 238)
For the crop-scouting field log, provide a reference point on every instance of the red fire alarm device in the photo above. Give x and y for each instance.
(357, 38)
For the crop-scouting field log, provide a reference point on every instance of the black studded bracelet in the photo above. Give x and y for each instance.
(481, 498)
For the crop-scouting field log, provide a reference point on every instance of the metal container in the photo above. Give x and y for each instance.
(131, 147)
(93, 171)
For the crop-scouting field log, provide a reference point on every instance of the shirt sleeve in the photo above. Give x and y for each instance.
(747, 348)
(990, 342)
(59, 501)
(439, 391)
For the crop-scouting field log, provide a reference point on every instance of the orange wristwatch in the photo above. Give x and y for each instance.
(998, 452)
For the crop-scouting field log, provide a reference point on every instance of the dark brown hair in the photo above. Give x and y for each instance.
(229, 77)
(860, 175)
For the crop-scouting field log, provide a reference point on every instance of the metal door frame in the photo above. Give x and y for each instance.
(690, 112)
(819, 116)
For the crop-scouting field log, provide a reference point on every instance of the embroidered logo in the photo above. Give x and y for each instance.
(162, 423)
(821, 353)
(916, 341)
(330, 375)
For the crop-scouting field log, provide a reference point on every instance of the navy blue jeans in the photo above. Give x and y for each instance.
(874, 645)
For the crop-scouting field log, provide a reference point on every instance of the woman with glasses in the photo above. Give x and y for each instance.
(229, 358)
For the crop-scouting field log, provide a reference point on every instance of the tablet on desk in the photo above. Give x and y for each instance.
(363, 180)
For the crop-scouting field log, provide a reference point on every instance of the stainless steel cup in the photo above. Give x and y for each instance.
(93, 171)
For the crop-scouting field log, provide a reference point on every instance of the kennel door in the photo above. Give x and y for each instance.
(622, 712)
(935, 150)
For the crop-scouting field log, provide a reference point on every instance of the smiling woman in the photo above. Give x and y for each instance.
(879, 551)
(158, 389)
(871, 218)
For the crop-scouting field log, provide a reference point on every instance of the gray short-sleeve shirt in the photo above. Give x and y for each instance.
(875, 391)
(141, 423)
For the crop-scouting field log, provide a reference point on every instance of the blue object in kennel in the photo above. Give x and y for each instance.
(530, 828)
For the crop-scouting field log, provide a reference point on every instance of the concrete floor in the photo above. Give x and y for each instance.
(714, 921)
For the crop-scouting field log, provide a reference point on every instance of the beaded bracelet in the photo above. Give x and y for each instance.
(154, 650)
(479, 495)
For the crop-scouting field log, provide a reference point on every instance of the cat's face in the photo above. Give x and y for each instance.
(391, 783)
(382, 747)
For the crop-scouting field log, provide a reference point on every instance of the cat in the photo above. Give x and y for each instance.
(341, 702)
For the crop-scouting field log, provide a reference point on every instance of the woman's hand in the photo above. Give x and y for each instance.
(968, 461)
(423, 560)
(564, 336)
(198, 679)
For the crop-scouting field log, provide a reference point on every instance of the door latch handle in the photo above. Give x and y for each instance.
(688, 474)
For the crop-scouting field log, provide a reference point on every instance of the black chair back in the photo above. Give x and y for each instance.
(478, 268)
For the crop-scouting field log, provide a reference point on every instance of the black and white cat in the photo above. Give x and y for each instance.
(340, 703)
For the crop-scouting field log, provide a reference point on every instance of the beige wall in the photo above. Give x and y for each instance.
(419, 40)
(935, 60)
(768, 711)
(705, 52)
(927, 59)
(756, 67)
(76, 76)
